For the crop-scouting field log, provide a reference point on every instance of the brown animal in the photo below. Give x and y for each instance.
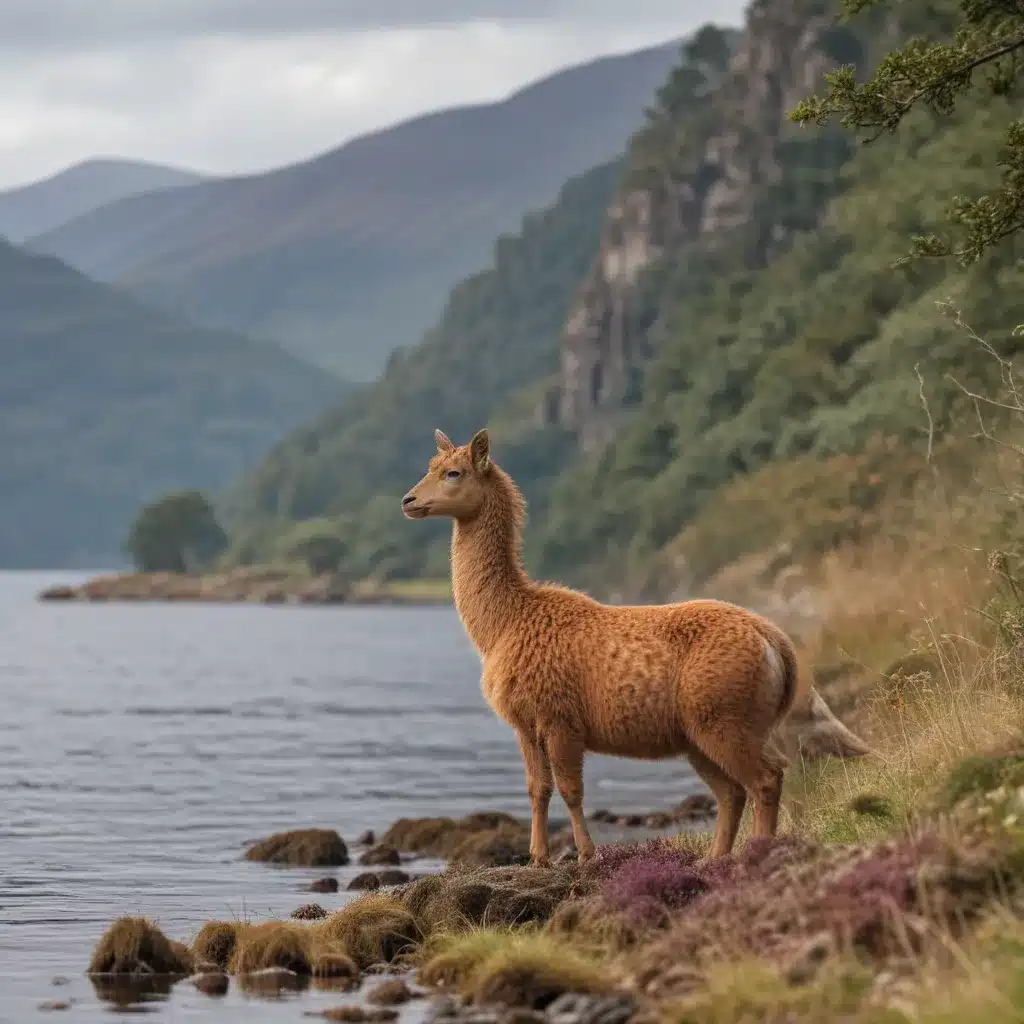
(703, 679)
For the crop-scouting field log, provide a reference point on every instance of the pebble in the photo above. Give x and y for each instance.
(309, 912)
(213, 984)
(52, 1005)
(366, 881)
(389, 993)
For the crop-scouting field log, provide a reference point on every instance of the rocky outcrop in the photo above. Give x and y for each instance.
(714, 161)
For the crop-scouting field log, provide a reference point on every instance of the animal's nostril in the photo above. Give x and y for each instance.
(408, 500)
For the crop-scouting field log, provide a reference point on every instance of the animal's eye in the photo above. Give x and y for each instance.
(452, 474)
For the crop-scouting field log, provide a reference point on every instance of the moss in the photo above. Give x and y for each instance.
(974, 776)
(871, 805)
(533, 970)
(216, 942)
(134, 945)
(308, 847)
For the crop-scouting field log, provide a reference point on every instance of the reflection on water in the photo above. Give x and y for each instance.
(141, 748)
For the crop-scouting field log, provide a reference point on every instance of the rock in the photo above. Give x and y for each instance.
(392, 876)
(213, 984)
(271, 981)
(364, 882)
(324, 885)
(381, 854)
(521, 1015)
(305, 847)
(60, 980)
(603, 817)
(573, 1008)
(309, 912)
(393, 992)
(441, 1008)
(53, 1005)
(59, 594)
(367, 838)
(496, 847)
(659, 819)
(630, 821)
(696, 807)
(355, 1014)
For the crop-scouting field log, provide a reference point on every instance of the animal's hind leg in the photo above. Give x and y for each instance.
(538, 784)
(730, 796)
(566, 755)
(759, 769)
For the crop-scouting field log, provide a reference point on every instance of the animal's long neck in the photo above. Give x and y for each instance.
(488, 579)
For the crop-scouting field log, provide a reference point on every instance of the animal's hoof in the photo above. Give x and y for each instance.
(540, 862)
(588, 854)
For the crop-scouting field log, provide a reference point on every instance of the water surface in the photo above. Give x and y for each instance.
(141, 747)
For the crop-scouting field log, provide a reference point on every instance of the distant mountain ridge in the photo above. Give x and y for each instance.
(349, 255)
(105, 404)
(43, 205)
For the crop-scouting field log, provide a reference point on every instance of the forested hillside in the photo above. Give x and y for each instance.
(499, 332)
(105, 404)
(743, 320)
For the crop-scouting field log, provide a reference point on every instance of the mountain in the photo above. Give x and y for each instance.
(105, 404)
(44, 205)
(349, 255)
(736, 371)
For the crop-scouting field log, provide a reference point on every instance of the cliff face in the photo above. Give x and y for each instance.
(716, 165)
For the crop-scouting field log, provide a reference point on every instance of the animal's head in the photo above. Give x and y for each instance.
(456, 480)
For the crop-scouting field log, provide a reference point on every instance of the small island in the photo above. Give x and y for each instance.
(251, 585)
(181, 553)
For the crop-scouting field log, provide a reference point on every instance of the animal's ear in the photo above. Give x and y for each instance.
(444, 446)
(480, 451)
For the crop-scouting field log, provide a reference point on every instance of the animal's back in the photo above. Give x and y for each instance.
(647, 675)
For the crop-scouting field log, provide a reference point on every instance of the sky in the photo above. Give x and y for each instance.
(230, 86)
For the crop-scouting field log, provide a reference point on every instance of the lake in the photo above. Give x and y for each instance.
(142, 746)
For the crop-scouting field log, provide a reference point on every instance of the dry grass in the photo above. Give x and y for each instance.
(513, 968)
(136, 946)
(376, 928)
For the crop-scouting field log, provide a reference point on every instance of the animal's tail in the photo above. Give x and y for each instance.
(806, 723)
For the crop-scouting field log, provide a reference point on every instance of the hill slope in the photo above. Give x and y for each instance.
(44, 205)
(105, 404)
(743, 322)
(351, 254)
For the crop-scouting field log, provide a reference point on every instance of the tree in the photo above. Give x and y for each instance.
(987, 39)
(317, 543)
(177, 533)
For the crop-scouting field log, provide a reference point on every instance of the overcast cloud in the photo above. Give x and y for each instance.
(227, 86)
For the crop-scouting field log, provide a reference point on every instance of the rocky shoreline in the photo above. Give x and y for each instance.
(252, 585)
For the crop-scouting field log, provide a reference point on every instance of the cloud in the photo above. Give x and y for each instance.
(241, 85)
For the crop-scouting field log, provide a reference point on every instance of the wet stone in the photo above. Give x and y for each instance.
(393, 992)
(362, 883)
(212, 984)
(378, 855)
(324, 885)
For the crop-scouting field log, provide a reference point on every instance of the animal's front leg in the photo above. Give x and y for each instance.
(538, 784)
(566, 754)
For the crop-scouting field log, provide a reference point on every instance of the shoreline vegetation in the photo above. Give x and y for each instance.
(251, 585)
(893, 893)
